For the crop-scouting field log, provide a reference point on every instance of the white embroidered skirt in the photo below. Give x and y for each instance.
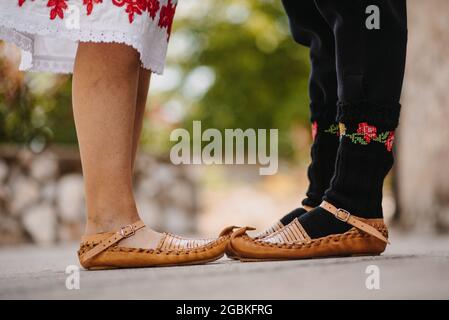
(48, 31)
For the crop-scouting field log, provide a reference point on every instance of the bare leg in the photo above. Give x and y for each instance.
(142, 94)
(104, 104)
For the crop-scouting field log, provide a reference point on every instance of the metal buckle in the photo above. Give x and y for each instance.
(123, 231)
(346, 218)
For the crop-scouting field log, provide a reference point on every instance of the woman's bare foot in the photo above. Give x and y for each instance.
(145, 238)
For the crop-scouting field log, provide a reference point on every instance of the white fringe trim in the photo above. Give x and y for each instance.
(12, 30)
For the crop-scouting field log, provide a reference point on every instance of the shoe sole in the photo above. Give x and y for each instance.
(157, 265)
(293, 259)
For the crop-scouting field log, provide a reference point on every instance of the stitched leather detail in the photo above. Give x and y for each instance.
(111, 240)
(352, 242)
(293, 232)
(115, 256)
(123, 257)
(356, 222)
(353, 234)
(86, 246)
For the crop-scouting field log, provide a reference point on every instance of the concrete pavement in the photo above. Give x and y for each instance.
(414, 266)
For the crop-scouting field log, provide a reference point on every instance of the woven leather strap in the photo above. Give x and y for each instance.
(173, 242)
(345, 216)
(124, 232)
(291, 233)
(275, 227)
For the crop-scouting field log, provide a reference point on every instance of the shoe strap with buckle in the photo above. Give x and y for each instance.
(124, 232)
(345, 216)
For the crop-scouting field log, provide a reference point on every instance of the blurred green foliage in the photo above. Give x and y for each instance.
(35, 109)
(241, 51)
(260, 73)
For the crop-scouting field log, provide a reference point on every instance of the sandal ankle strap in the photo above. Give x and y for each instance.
(123, 232)
(345, 216)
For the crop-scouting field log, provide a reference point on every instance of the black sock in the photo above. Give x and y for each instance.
(293, 215)
(363, 160)
(323, 153)
(320, 223)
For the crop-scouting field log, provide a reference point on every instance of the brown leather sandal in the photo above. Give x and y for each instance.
(366, 237)
(231, 254)
(102, 251)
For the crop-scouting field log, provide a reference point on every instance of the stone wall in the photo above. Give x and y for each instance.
(423, 162)
(42, 196)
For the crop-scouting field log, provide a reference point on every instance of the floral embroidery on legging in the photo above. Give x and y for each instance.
(132, 8)
(333, 129)
(314, 129)
(366, 134)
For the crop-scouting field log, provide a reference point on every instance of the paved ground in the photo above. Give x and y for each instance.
(413, 267)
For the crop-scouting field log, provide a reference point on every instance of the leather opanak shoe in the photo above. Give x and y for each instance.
(103, 250)
(230, 253)
(366, 237)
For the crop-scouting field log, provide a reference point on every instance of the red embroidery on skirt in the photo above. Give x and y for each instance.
(133, 7)
(166, 17)
(58, 7)
(90, 5)
(153, 8)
